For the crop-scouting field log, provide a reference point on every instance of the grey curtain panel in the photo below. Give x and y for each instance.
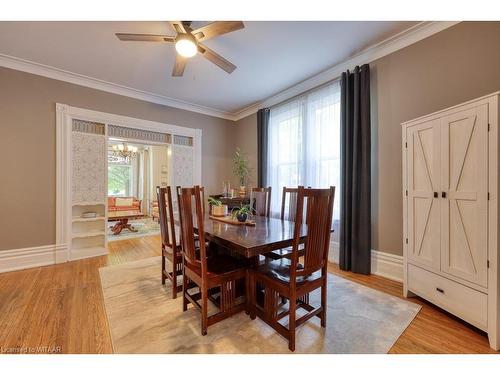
(262, 137)
(355, 199)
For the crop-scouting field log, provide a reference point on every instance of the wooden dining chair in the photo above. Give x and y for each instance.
(170, 244)
(217, 274)
(202, 190)
(288, 212)
(291, 279)
(260, 200)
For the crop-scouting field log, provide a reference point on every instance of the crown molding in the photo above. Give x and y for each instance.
(405, 38)
(386, 47)
(94, 83)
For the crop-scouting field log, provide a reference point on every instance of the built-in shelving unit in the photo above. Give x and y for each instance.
(89, 152)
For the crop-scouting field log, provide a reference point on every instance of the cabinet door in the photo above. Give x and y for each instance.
(464, 215)
(423, 182)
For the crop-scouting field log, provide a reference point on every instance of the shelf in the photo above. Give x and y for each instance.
(88, 234)
(89, 203)
(76, 219)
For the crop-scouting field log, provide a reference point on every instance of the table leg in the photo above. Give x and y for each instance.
(254, 263)
(117, 228)
(121, 225)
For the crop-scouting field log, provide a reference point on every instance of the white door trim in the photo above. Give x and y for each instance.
(64, 116)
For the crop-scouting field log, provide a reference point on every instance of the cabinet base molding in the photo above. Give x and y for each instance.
(460, 300)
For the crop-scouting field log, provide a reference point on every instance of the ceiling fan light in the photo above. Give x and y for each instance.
(186, 47)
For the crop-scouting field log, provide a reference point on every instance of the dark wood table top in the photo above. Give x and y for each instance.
(267, 235)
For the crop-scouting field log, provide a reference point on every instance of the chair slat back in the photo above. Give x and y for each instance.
(173, 233)
(318, 216)
(291, 193)
(162, 213)
(167, 218)
(260, 199)
(202, 190)
(190, 209)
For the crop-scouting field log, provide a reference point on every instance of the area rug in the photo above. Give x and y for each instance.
(143, 318)
(145, 227)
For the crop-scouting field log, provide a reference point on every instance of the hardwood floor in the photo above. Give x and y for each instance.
(433, 330)
(60, 309)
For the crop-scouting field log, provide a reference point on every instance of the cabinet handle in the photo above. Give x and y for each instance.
(443, 194)
(440, 290)
(435, 194)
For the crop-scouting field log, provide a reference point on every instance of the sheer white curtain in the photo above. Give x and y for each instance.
(304, 144)
(285, 149)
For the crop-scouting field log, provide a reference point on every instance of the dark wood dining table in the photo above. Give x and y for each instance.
(250, 241)
(266, 235)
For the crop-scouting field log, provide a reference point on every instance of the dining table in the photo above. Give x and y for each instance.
(251, 241)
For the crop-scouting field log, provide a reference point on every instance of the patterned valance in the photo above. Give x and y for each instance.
(89, 127)
(139, 134)
(183, 140)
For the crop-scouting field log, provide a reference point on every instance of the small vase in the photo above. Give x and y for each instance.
(242, 217)
(218, 210)
(242, 192)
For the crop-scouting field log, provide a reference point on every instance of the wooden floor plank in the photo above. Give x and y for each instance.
(62, 306)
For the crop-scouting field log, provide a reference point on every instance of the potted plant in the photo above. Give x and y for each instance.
(241, 213)
(218, 209)
(241, 169)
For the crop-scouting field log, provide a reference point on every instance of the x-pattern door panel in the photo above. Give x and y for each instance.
(464, 163)
(423, 182)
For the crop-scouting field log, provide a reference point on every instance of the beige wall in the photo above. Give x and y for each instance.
(246, 140)
(453, 66)
(27, 129)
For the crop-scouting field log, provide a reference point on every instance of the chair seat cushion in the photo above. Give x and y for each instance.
(280, 270)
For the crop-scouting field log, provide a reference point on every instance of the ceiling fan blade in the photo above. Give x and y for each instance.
(178, 26)
(217, 59)
(144, 37)
(179, 66)
(217, 28)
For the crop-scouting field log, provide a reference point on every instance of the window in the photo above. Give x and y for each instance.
(304, 144)
(120, 176)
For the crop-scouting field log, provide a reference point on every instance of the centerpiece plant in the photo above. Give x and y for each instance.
(241, 213)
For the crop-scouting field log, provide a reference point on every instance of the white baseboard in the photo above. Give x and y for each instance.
(384, 264)
(29, 257)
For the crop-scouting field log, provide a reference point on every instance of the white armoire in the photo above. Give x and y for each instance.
(450, 211)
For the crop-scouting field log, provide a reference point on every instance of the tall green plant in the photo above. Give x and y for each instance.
(241, 167)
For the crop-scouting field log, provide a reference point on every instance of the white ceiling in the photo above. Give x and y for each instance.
(270, 56)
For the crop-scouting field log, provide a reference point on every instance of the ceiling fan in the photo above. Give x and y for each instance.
(188, 42)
